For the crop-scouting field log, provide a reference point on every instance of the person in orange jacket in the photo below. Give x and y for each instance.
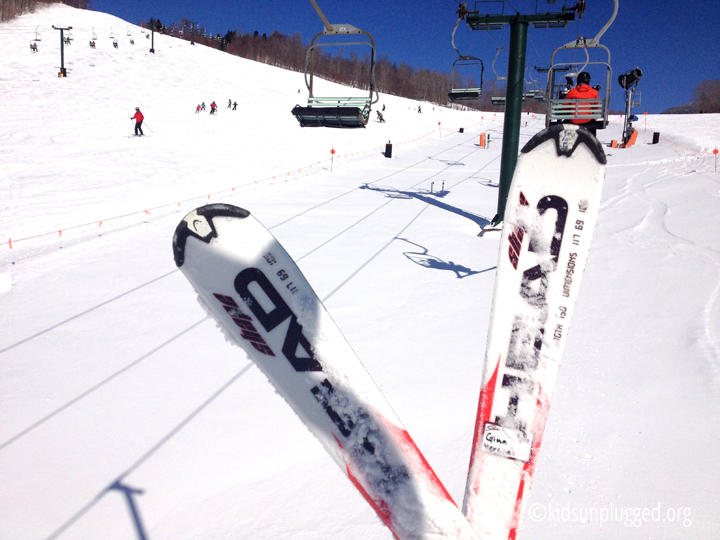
(583, 90)
(138, 121)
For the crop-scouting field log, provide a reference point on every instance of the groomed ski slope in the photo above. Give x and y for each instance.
(115, 387)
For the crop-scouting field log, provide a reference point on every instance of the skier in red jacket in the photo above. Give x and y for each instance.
(583, 90)
(138, 121)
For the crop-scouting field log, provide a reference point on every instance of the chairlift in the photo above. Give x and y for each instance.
(495, 97)
(459, 92)
(342, 112)
(128, 32)
(38, 35)
(94, 35)
(112, 36)
(561, 110)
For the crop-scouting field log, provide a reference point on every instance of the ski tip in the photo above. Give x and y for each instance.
(567, 137)
(199, 224)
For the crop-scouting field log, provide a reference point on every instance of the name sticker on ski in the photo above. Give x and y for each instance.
(506, 442)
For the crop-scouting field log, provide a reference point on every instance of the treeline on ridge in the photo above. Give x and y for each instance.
(346, 67)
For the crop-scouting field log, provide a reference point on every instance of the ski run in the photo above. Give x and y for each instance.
(126, 412)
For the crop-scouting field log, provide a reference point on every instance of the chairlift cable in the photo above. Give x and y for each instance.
(535, 48)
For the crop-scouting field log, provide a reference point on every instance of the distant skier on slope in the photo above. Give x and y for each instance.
(198, 109)
(203, 105)
(138, 121)
(380, 116)
(33, 47)
(213, 108)
(235, 106)
(229, 103)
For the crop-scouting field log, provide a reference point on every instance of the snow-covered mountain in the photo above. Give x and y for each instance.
(116, 388)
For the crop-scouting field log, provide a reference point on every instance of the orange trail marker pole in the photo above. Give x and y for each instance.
(332, 158)
(716, 155)
(10, 242)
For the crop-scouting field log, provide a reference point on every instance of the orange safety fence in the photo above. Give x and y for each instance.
(680, 145)
(228, 191)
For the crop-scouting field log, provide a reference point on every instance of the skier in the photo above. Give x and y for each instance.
(33, 47)
(380, 116)
(197, 109)
(235, 106)
(383, 107)
(115, 44)
(92, 44)
(229, 103)
(213, 108)
(583, 91)
(419, 109)
(203, 105)
(138, 121)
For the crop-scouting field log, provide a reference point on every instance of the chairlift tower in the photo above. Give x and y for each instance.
(63, 72)
(515, 76)
(157, 26)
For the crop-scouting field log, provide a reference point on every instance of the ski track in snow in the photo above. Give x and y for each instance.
(114, 390)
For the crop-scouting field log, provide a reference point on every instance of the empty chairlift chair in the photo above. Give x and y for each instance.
(460, 91)
(340, 112)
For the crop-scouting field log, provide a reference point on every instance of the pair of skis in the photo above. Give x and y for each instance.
(256, 291)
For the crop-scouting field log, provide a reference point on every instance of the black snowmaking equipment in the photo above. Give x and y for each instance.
(459, 91)
(629, 81)
(341, 112)
(563, 110)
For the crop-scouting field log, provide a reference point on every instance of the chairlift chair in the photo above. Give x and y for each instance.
(341, 112)
(112, 36)
(38, 35)
(562, 110)
(495, 97)
(460, 92)
(128, 32)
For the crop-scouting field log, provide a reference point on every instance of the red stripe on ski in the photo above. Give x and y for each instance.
(487, 394)
(542, 408)
(381, 508)
(405, 441)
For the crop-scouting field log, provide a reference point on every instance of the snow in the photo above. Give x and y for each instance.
(112, 372)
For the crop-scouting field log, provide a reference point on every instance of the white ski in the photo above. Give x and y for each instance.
(263, 301)
(551, 212)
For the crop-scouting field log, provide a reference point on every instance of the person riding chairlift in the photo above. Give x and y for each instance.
(583, 90)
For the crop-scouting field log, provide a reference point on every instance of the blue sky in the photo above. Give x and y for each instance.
(676, 44)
